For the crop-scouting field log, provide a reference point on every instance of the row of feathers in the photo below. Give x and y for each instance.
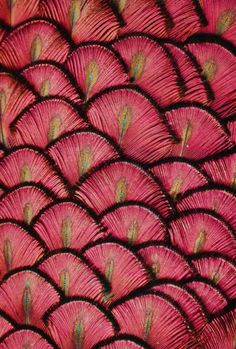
(117, 174)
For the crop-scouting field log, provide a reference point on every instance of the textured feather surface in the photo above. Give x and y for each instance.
(117, 174)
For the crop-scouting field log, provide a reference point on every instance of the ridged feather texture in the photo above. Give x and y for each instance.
(117, 174)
